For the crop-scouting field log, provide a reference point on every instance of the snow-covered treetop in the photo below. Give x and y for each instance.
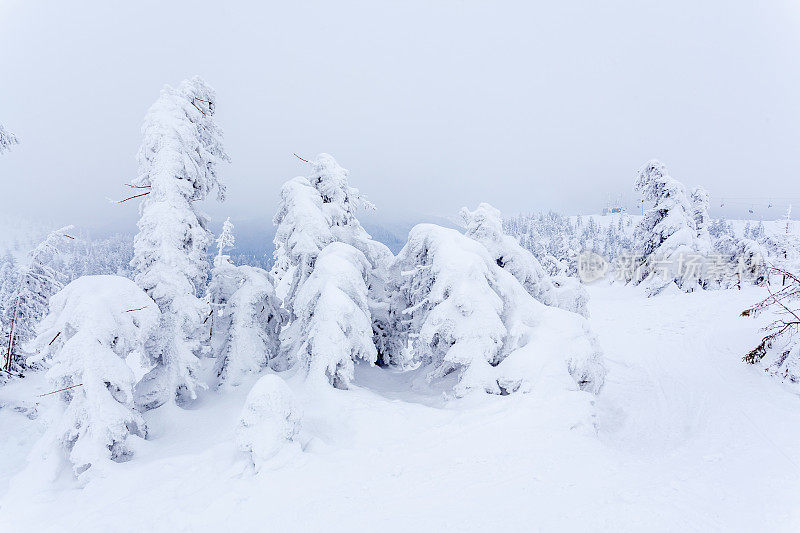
(111, 309)
(314, 212)
(224, 241)
(655, 183)
(669, 225)
(303, 229)
(331, 180)
(182, 143)
(7, 139)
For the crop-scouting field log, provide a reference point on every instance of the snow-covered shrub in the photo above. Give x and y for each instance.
(95, 323)
(467, 315)
(570, 295)
(25, 306)
(667, 233)
(270, 420)
(315, 212)
(7, 139)
(177, 168)
(333, 326)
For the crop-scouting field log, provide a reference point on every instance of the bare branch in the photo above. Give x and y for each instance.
(132, 197)
(61, 390)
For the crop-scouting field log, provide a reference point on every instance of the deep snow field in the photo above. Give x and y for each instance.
(686, 438)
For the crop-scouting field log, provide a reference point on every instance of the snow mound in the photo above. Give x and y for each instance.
(269, 422)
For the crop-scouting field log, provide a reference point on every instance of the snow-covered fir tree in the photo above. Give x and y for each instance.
(485, 225)
(178, 162)
(332, 326)
(95, 323)
(7, 139)
(666, 236)
(319, 210)
(246, 315)
(468, 317)
(25, 306)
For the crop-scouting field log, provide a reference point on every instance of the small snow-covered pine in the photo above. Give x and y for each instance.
(702, 220)
(177, 167)
(7, 139)
(246, 316)
(25, 306)
(95, 324)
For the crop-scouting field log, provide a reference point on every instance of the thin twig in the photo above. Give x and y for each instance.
(132, 197)
(60, 390)
(138, 186)
(300, 158)
(137, 309)
(198, 108)
(54, 339)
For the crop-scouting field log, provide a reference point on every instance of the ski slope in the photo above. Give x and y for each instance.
(687, 438)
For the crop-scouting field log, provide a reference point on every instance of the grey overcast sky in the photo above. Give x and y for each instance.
(431, 105)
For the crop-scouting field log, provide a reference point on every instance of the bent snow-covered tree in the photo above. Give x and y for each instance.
(666, 236)
(332, 326)
(7, 139)
(247, 316)
(27, 305)
(468, 317)
(177, 168)
(485, 225)
(95, 323)
(319, 210)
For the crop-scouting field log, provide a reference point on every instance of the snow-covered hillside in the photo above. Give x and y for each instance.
(685, 437)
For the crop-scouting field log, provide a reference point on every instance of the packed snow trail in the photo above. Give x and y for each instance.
(690, 439)
(717, 436)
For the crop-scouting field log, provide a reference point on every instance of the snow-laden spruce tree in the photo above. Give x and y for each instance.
(24, 307)
(468, 317)
(247, 315)
(177, 167)
(319, 210)
(702, 220)
(485, 225)
(95, 323)
(332, 326)
(666, 236)
(7, 139)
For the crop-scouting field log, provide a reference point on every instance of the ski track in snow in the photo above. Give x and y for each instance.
(689, 439)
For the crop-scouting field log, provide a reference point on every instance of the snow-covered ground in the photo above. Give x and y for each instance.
(688, 438)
